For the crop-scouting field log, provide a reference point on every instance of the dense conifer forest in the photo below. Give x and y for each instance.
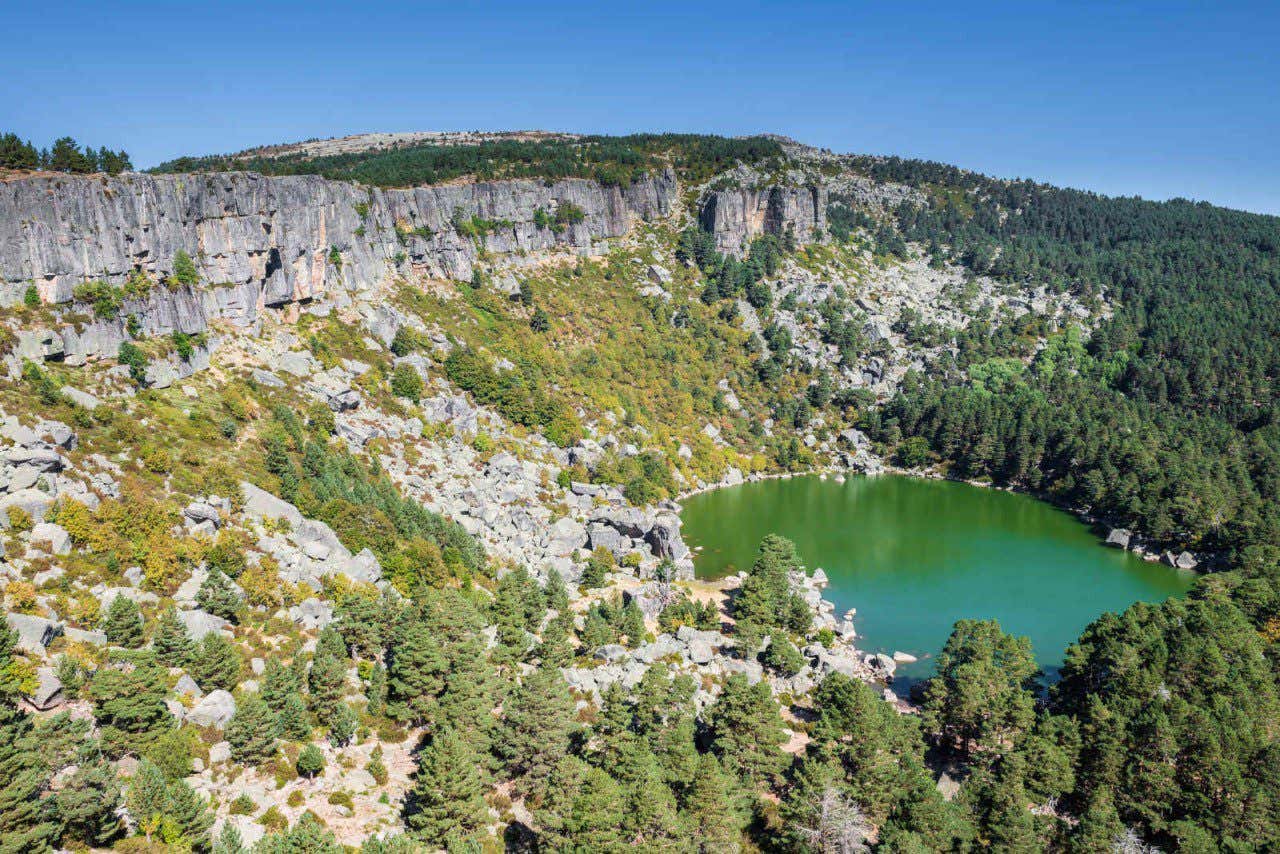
(607, 159)
(1165, 421)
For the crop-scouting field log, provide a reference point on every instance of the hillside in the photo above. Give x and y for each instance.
(342, 481)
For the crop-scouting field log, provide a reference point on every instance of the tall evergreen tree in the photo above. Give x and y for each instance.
(123, 623)
(27, 823)
(981, 696)
(189, 812)
(129, 706)
(148, 799)
(538, 719)
(746, 729)
(172, 642)
(293, 721)
(415, 672)
(327, 678)
(447, 797)
(216, 663)
(252, 731)
(714, 811)
(217, 596)
(87, 804)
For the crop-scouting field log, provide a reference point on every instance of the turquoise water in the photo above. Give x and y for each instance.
(915, 555)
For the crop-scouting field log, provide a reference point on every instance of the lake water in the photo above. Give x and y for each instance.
(915, 555)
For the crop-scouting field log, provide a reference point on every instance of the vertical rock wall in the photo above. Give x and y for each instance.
(737, 216)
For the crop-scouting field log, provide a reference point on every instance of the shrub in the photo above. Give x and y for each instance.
(273, 819)
(568, 212)
(130, 354)
(184, 270)
(105, 298)
(310, 761)
(243, 805)
(31, 297)
(405, 382)
(46, 389)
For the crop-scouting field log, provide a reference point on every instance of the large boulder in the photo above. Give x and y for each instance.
(311, 614)
(34, 633)
(216, 709)
(1119, 537)
(363, 567)
(48, 692)
(54, 536)
(200, 623)
(664, 538)
(264, 505)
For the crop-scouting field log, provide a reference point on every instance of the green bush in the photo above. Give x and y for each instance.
(130, 354)
(407, 383)
(184, 270)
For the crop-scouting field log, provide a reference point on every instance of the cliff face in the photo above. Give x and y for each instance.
(737, 216)
(272, 240)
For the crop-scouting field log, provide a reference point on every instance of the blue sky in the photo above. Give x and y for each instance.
(1158, 100)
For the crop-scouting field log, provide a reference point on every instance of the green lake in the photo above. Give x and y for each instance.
(915, 555)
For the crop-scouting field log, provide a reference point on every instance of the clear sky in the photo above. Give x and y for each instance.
(1155, 99)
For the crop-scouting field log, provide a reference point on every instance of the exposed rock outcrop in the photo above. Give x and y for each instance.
(273, 240)
(736, 216)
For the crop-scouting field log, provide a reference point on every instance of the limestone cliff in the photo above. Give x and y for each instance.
(736, 216)
(274, 240)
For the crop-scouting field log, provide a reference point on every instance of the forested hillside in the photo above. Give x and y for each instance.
(1165, 421)
(342, 518)
(608, 159)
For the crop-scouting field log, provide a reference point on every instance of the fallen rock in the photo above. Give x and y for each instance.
(214, 710)
(48, 693)
(34, 633)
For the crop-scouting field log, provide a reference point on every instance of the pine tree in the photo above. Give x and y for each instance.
(415, 672)
(747, 729)
(327, 678)
(307, 836)
(218, 597)
(27, 823)
(376, 692)
(982, 694)
(189, 812)
(172, 643)
(252, 731)
(555, 649)
(129, 706)
(310, 761)
(589, 811)
(557, 593)
(633, 624)
(714, 815)
(447, 795)
(293, 722)
(538, 721)
(123, 623)
(279, 682)
(216, 663)
(652, 820)
(510, 612)
(87, 804)
(360, 624)
(229, 841)
(1099, 828)
(342, 725)
(470, 695)
(148, 799)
